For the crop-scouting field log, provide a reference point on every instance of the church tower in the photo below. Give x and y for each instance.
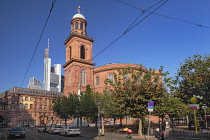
(79, 66)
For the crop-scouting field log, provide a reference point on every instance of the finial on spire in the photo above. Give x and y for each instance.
(78, 10)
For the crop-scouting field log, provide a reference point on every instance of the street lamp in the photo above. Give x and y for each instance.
(99, 126)
(204, 108)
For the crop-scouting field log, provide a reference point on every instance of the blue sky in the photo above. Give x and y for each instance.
(154, 42)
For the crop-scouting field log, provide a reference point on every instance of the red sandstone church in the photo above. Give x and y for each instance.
(21, 106)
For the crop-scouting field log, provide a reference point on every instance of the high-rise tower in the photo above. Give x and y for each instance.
(47, 67)
(79, 65)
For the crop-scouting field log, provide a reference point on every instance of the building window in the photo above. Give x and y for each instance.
(45, 107)
(76, 25)
(40, 106)
(13, 106)
(128, 119)
(13, 97)
(31, 99)
(82, 52)
(81, 26)
(26, 98)
(20, 98)
(83, 78)
(126, 77)
(70, 52)
(31, 106)
(69, 77)
(40, 99)
(97, 80)
(20, 105)
(111, 77)
(26, 106)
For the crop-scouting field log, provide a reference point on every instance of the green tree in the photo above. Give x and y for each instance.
(66, 106)
(193, 78)
(133, 89)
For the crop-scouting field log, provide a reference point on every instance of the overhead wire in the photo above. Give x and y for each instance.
(164, 15)
(127, 30)
(53, 3)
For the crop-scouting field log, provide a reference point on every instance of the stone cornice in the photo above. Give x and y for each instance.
(78, 60)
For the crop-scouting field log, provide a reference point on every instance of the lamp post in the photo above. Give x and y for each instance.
(204, 108)
(99, 126)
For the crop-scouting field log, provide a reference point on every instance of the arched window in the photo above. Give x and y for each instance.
(126, 77)
(97, 80)
(76, 25)
(81, 26)
(82, 52)
(70, 52)
(69, 78)
(111, 77)
(83, 78)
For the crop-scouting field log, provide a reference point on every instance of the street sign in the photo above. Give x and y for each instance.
(193, 100)
(150, 105)
(193, 106)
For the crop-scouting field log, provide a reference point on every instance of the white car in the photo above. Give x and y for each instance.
(43, 129)
(70, 131)
(54, 129)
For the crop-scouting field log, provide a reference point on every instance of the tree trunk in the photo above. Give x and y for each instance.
(187, 120)
(102, 127)
(120, 122)
(80, 119)
(114, 124)
(65, 122)
(140, 128)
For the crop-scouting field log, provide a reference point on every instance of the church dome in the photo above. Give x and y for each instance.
(78, 16)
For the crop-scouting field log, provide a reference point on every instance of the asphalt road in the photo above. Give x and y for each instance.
(35, 135)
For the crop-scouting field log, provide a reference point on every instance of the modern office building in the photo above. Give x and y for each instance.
(34, 83)
(52, 75)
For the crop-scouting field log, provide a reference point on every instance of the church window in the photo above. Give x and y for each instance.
(81, 26)
(69, 77)
(111, 77)
(82, 52)
(126, 77)
(76, 25)
(83, 78)
(70, 52)
(97, 80)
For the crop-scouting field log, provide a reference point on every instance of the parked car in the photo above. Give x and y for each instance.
(16, 132)
(70, 131)
(54, 129)
(200, 123)
(43, 128)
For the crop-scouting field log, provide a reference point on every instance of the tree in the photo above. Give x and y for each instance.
(193, 78)
(66, 107)
(87, 107)
(133, 90)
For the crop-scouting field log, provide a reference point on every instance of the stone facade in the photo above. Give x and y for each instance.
(28, 107)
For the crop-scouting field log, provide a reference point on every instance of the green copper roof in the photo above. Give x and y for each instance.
(78, 16)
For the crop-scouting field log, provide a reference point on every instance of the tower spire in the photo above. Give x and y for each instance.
(78, 10)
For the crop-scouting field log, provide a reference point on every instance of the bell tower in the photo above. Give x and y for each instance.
(79, 65)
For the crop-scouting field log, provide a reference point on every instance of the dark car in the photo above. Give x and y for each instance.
(17, 132)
